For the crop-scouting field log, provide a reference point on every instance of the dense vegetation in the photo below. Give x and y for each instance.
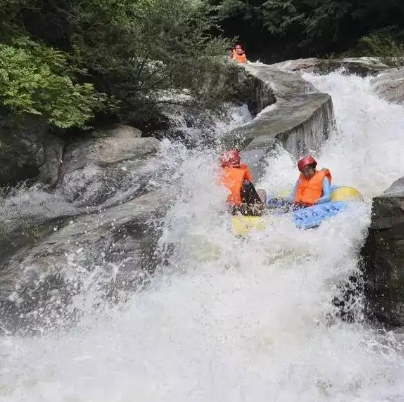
(282, 29)
(67, 61)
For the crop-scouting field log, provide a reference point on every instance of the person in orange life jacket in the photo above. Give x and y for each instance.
(236, 177)
(312, 186)
(238, 54)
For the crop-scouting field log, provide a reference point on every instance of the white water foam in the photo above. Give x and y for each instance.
(366, 152)
(238, 320)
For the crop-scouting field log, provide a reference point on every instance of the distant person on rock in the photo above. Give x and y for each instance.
(238, 54)
(236, 178)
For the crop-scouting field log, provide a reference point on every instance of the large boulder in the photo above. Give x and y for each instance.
(291, 112)
(28, 151)
(108, 162)
(106, 147)
(94, 255)
(390, 85)
(383, 257)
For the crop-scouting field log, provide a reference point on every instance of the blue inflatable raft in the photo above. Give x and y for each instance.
(305, 218)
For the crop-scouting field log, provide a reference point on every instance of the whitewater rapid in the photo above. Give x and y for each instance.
(232, 320)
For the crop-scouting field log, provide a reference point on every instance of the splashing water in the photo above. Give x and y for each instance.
(239, 320)
(365, 153)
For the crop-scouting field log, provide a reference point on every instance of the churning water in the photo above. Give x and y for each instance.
(232, 320)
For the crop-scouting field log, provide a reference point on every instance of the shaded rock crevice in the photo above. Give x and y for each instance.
(28, 151)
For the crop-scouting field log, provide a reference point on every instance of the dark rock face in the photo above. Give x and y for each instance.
(28, 151)
(383, 257)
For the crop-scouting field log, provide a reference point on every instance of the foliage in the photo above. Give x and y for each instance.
(302, 28)
(145, 47)
(36, 79)
(66, 61)
(77, 58)
(384, 46)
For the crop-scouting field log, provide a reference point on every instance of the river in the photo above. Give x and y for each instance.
(232, 320)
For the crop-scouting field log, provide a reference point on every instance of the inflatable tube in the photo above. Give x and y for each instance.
(311, 217)
(344, 193)
(305, 218)
(243, 225)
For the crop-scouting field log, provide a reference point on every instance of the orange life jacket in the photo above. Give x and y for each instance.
(311, 190)
(232, 179)
(248, 175)
(241, 58)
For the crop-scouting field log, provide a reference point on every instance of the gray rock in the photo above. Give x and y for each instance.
(390, 85)
(53, 154)
(92, 255)
(106, 164)
(383, 257)
(106, 147)
(307, 65)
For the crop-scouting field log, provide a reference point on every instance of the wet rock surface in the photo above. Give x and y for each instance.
(108, 162)
(389, 85)
(112, 251)
(362, 66)
(383, 257)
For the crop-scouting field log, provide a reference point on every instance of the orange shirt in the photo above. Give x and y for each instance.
(248, 175)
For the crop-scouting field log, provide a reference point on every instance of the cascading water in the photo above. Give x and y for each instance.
(233, 320)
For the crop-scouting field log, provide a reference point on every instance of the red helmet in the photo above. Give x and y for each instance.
(230, 158)
(307, 160)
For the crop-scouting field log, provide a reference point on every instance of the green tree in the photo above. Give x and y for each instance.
(36, 79)
(145, 47)
(283, 29)
(133, 51)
